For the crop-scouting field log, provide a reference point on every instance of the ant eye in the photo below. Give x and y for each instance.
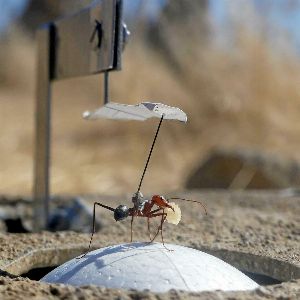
(121, 212)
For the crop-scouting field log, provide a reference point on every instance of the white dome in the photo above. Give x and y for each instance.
(143, 266)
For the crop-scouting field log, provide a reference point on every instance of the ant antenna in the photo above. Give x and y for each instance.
(203, 206)
(150, 153)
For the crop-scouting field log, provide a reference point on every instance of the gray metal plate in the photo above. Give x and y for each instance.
(75, 55)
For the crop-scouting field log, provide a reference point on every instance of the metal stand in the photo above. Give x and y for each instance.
(42, 125)
(86, 43)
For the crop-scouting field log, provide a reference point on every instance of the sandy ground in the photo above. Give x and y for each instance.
(254, 231)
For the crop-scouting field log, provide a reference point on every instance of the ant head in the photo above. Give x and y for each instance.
(121, 212)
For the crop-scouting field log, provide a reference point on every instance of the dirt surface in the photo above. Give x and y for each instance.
(257, 232)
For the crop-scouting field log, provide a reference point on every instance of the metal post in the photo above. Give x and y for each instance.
(106, 88)
(42, 125)
(66, 50)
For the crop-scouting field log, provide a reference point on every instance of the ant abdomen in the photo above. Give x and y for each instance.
(121, 212)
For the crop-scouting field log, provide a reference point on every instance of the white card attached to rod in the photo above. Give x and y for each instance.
(140, 112)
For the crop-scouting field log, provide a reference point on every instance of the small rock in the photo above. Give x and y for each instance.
(75, 216)
(245, 170)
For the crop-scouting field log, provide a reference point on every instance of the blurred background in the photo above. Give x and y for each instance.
(232, 66)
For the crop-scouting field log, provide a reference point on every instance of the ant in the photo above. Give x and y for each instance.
(143, 208)
(157, 206)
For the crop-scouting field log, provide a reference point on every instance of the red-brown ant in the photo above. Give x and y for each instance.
(142, 208)
(156, 207)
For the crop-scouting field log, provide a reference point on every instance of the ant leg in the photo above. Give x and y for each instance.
(150, 215)
(131, 230)
(148, 220)
(154, 237)
(94, 226)
(160, 228)
(93, 231)
(161, 232)
(163, 218)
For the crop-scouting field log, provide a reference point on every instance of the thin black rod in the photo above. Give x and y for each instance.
(106, 87)
(150, 153)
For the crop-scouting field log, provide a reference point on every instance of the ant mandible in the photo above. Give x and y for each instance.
(157, 206)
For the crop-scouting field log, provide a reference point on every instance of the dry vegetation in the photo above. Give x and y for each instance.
(243, 96)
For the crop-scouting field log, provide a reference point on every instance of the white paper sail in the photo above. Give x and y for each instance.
(141, 112)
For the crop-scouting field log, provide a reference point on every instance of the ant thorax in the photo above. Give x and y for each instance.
(139, 201)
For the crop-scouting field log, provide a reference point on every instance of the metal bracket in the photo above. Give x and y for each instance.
(85, 43)
(89, 42)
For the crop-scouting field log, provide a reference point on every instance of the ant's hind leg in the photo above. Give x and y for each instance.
(94, 226)
(93, 231)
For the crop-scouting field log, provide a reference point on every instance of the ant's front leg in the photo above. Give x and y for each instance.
(163, 218)
(160, 228)
(148, 221)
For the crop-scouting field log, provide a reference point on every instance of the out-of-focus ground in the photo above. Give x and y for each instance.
(242, 93)
(256, 232)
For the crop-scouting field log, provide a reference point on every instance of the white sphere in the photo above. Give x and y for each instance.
(143, 266)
